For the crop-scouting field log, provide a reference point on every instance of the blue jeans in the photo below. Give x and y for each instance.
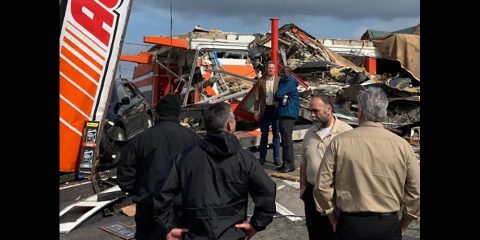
(269, 117)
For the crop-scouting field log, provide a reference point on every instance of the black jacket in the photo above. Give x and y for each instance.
(213, 180)
(148, 157)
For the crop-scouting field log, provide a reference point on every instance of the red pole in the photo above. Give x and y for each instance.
(275, 43)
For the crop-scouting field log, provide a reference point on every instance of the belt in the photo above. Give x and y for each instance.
(367, 214)
(223, 211)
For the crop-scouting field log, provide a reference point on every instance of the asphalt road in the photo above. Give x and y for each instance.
(282, 228)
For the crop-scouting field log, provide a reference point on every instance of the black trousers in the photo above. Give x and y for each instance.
(147, 227)
(318, 226)
(373, 227)
(286, 130)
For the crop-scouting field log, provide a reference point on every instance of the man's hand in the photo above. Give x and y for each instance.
(247, 228)
(176, 233)
(256, 115)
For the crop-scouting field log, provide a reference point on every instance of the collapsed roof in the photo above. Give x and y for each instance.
(376, 34)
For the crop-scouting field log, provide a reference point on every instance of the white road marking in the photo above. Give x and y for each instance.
(75, 185)
(293, 184)
(284, 211)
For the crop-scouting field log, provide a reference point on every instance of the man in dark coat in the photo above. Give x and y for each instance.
(213, 180)
(147, 160)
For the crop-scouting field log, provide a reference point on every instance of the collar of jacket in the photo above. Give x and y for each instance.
(371, 124)
(332, 131)
(166, 118)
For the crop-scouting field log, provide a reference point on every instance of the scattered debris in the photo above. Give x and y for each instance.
(119, 229)
(129, 210)
(110, 195)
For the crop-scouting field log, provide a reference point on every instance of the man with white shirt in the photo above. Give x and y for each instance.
(265, 112)
(325, 127)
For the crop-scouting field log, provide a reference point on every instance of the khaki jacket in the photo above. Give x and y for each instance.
(370, 169)
(314, 147)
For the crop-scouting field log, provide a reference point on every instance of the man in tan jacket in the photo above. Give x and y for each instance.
(325, 127)
(367, 174)
(265, 112)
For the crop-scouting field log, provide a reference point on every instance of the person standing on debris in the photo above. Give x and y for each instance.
(264, 108)
(147, 160)
(325, 127)
(213, 181)
(288, 104)
(373, 172)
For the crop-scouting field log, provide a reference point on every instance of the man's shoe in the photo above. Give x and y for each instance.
(278, 164)
(285, 170)
(261, 161)
(278, 168)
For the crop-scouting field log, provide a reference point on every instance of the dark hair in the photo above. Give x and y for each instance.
(217, 117)
(325, 98)
(266, 64)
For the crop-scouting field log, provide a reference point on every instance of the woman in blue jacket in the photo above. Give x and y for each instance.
(288, 108)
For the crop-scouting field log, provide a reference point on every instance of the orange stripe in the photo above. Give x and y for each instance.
(167, 41)
(87, 36)
(80, 64)
(253, 133)
(84, 44)
(210, 91)
(84, 54)
(75, 96)
(74, 75)
(242, 70)
(69, 147)
(71, 115)
(142, 58)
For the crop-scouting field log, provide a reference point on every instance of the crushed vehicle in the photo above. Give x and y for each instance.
(128, 114)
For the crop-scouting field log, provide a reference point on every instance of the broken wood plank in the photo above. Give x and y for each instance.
(285, 176)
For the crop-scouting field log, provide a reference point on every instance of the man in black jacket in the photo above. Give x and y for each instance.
(213, 180)
(147, 160)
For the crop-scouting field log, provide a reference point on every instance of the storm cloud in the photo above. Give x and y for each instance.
(248, 10)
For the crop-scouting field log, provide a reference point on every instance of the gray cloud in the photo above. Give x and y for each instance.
(251, 10)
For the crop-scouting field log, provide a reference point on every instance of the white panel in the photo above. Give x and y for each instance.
(89, 202)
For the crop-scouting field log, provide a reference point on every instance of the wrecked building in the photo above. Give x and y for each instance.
(346, 67)
(207, 66)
